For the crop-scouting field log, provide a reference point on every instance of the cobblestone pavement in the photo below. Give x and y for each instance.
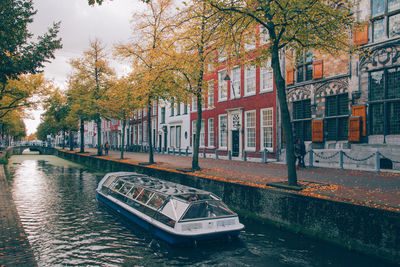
(15, 249)
(361, 187)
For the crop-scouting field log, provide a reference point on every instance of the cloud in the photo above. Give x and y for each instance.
(80, 23)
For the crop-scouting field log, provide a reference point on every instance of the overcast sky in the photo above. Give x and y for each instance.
(80, 23)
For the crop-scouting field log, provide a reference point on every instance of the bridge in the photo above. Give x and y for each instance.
(43, 150)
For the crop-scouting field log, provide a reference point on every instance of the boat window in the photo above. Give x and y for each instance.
(109, 180)
(194, 197)
(157, 200)
(134, 192)
(180, 207)
(118, 185)
(144, 196)
(125, 189)
(207, 209)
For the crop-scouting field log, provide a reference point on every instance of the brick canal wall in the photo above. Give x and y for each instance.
(365, 229)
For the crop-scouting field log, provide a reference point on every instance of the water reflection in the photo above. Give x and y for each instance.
(66, 226)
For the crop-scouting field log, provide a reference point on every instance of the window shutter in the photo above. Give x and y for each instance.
(360, 36)
(290, 77)
(317, 130)
(360, 111)
(318, 69)
(354, 129)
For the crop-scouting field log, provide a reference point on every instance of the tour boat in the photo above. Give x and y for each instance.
(172, 212)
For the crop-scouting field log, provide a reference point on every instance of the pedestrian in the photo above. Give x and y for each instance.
(302, 153)
(297, 152)
(106, 147)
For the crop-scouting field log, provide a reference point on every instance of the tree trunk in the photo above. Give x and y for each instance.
(151, 154)
(82, 136)
(99, 147)
(123, 138)
(196, 145)
(285, 116)
(71, 141)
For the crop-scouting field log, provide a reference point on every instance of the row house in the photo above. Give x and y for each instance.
(239, 112)
(351, 101)
(138, 127)
(173, 126)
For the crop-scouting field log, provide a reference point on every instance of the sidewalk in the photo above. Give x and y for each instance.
(15, 249)
(379, 190)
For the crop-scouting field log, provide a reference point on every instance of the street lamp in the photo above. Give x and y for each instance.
(227, 78)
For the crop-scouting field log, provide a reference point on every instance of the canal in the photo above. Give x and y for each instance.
(66, 227)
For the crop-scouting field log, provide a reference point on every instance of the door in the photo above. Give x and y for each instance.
(235, 143)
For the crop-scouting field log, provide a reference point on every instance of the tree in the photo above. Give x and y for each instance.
(58, 117)
(18, 54)
(90, 80)
(202, 30)
(147, 54)
(121, 102)
(297, 24)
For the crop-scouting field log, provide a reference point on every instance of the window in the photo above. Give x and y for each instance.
(210, 64)
(384, 101)
(336, 111)
(235, 83)
(267, 126)
(145, 134)
(211, 94)
(222, 86)
(304, 66)
(302, 119)
(266, 79)
(194, 104)
(172, 136)
(202, 134)
(250, 81)
(185, 109)
(221, 55)
(385, 16)
(178, 109)
(250, 130)
(250, 42)
(172, 108)
(178, 136)
(162, 115)
(154, 108)
(264, 35)
(211, 132)
(136, 135)
(222, 131)
(140, 134)
(193, 131)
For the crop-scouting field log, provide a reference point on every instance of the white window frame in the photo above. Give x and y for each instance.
(194, 104)
(140, 132)
(193, 130)
(264, 124)
(250, 42)
(236, 82)
(211, 132)
(249, 127)
(222, 55)
(202, 134)
(145, 137)
(220, 146)
(250, 69)
(266, 70)
(172, 136)
(264, 35)
(210, 95)
(222, 86)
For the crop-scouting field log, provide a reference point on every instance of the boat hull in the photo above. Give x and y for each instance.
(169, 237)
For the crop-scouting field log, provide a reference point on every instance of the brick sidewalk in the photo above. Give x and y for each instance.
(381, 190)
(15, 249)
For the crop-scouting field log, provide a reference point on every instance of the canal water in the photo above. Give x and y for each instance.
(66, 227)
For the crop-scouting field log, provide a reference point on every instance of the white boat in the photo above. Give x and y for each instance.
(172, 212)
